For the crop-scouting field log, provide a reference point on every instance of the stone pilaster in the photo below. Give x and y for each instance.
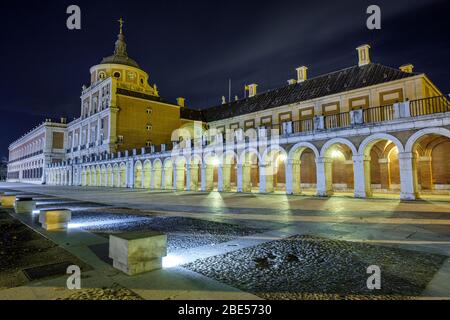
(324, 176)
(361, 170)
(408, 176)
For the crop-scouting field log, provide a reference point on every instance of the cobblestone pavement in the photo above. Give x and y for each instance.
(182, 233)
(308, 267)
(408, 240)
(115, 292)
(22, 248)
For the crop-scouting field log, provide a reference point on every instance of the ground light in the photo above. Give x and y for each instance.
(102, 222)
(171, 261)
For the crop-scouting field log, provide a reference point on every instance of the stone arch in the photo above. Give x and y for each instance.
(123, 175)
(210, 169)
(58, 177)
(194, 162)
(104, 176)
(83, 177)
(98, 176)
(374, 138)
(157, 174)
(335, 171)
(109, 175)
(168, 174)
(229, 171)
(116, 181)
(249, 160)
(377, 165)
(417, 135)
(138, 172)
(428, 150)
(147, 174)
(180, 172)
(273, 169)
(326, 148)
(88, 176)
(301, 172)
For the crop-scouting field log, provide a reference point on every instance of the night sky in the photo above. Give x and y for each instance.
(192, 48)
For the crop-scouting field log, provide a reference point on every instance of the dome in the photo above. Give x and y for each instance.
(120, 55)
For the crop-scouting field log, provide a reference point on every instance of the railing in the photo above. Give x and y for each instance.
(27, 156)
(305, 125)
(378, 114)
(342, 120)
(339, 120)
(429, 106)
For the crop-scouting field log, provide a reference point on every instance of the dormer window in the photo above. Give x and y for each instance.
(142, 81)
(117, 75)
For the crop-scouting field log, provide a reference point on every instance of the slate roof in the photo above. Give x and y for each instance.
(335, 82)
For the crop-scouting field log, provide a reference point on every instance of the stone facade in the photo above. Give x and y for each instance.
(361, 129)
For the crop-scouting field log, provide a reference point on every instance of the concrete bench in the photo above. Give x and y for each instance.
(24, 205)
(8, 200)
(138, 252)
(54, 219)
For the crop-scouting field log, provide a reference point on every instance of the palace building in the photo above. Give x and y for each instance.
(365, 129)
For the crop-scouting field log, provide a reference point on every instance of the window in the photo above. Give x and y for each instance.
(142, 81)
(149, 110)
(117, 74)
(131, 76)
(266, 121)
(148, 143)
(248, 124)
(149, 127)
(120, 139)
(284, 117)
(234, 126)
(101, 75)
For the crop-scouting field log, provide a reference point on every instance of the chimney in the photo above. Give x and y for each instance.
(408, 68)
(181, 101)
(363, 55)
(301, 74)
(291, 81)
(251, 89)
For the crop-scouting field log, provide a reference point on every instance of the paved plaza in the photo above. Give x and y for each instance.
(242, 245)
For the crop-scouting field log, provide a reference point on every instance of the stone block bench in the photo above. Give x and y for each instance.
(8, 200)
(137, 252)
(24, 205)
(54, 219)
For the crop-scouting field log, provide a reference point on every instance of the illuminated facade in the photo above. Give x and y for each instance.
(364, 129)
